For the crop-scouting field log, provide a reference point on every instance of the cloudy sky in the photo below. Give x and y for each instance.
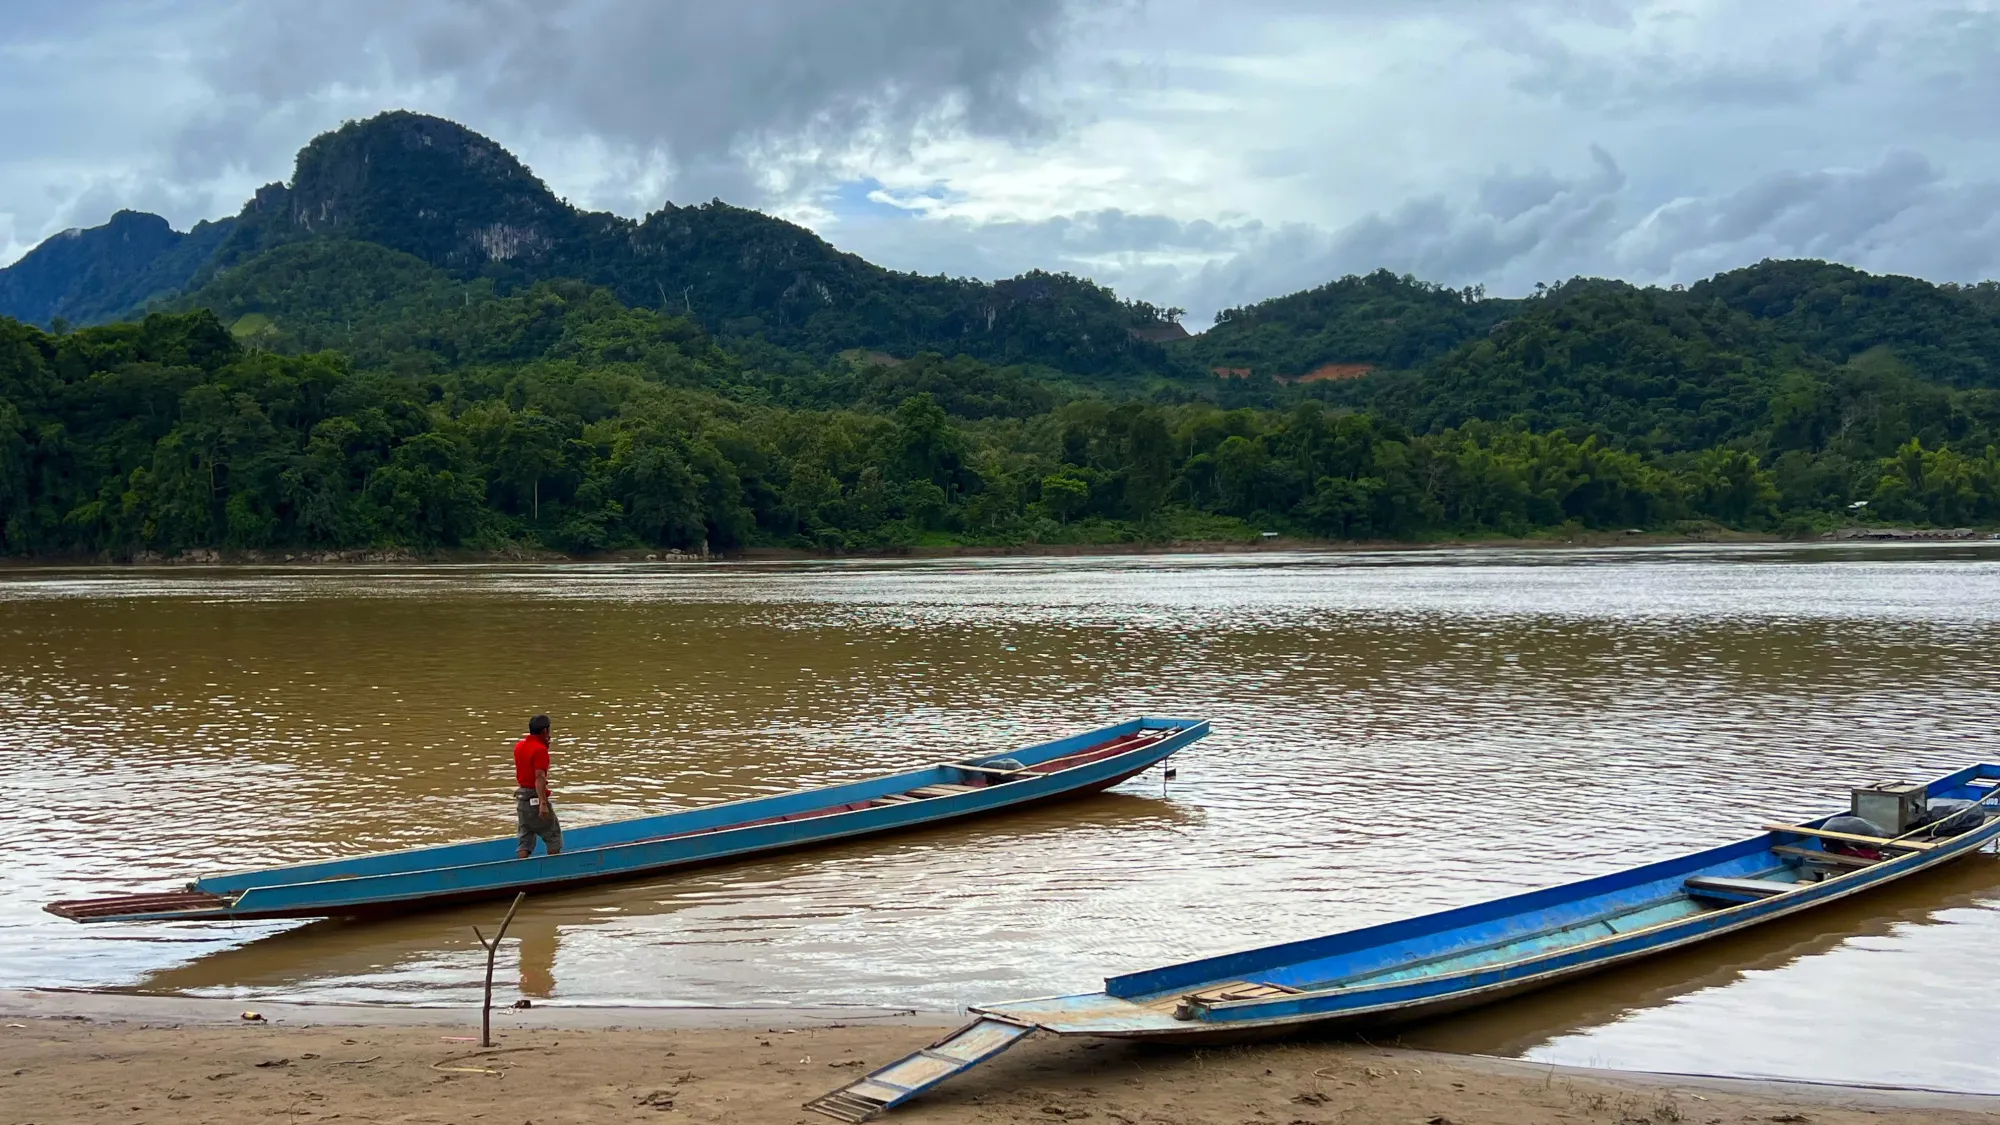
(1200, 153)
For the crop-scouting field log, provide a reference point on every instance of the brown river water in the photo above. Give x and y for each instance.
(1393, 733)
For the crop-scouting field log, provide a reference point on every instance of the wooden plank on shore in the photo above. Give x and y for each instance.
(1870, 841)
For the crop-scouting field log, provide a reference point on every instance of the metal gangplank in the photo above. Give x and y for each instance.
(913, 1074)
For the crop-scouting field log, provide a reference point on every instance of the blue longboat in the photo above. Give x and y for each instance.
(1429, 965)
(420, 878)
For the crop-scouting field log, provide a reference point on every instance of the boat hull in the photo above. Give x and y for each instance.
(393, 883)
(432, 902)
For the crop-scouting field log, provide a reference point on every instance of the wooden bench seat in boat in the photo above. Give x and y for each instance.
(1737, 890)
(1814, 855)
(923, 792)
(1234, 990)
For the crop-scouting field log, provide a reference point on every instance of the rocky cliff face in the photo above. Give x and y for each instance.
(419, 184)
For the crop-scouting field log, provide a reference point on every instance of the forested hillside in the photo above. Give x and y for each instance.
(562, 418)
(1377, 321)
(95, 275)
(1947, 333)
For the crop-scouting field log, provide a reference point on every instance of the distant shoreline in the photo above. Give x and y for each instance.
(382, 556)
(378, 556)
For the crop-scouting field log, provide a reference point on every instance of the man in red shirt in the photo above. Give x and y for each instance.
(533, 814)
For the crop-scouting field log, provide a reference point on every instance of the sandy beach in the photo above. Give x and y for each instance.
(96, 1057)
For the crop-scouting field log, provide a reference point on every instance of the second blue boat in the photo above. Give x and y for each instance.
(1437, 963)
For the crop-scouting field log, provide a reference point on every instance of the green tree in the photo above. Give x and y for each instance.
(1065, 494)
(1731, 488)
(430, 495)
(662, 500)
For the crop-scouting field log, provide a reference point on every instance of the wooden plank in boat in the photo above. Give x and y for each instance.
(1834, 858)
(1757, 888)
(1870, 841)
(1242, 990)
(1184, 1006)
(940, 790)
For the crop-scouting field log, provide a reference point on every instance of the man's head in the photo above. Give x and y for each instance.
(539, 725)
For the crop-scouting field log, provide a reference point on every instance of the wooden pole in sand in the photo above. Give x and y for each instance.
(492, 948)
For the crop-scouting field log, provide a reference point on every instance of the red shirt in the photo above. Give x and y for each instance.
(530, 754)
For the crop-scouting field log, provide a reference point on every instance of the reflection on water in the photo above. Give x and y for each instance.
(537, 955)
(1393, 733)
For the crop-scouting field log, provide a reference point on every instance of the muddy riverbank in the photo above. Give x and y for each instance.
(174, 1061)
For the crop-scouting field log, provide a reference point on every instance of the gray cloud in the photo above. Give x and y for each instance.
(1514, 222)
(711, 87)
(1203, 153)
(1511, 230)
(1641, 73)
(1900, 215)
(1903, 214)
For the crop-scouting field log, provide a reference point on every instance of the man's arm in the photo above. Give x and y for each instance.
(542, 789)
